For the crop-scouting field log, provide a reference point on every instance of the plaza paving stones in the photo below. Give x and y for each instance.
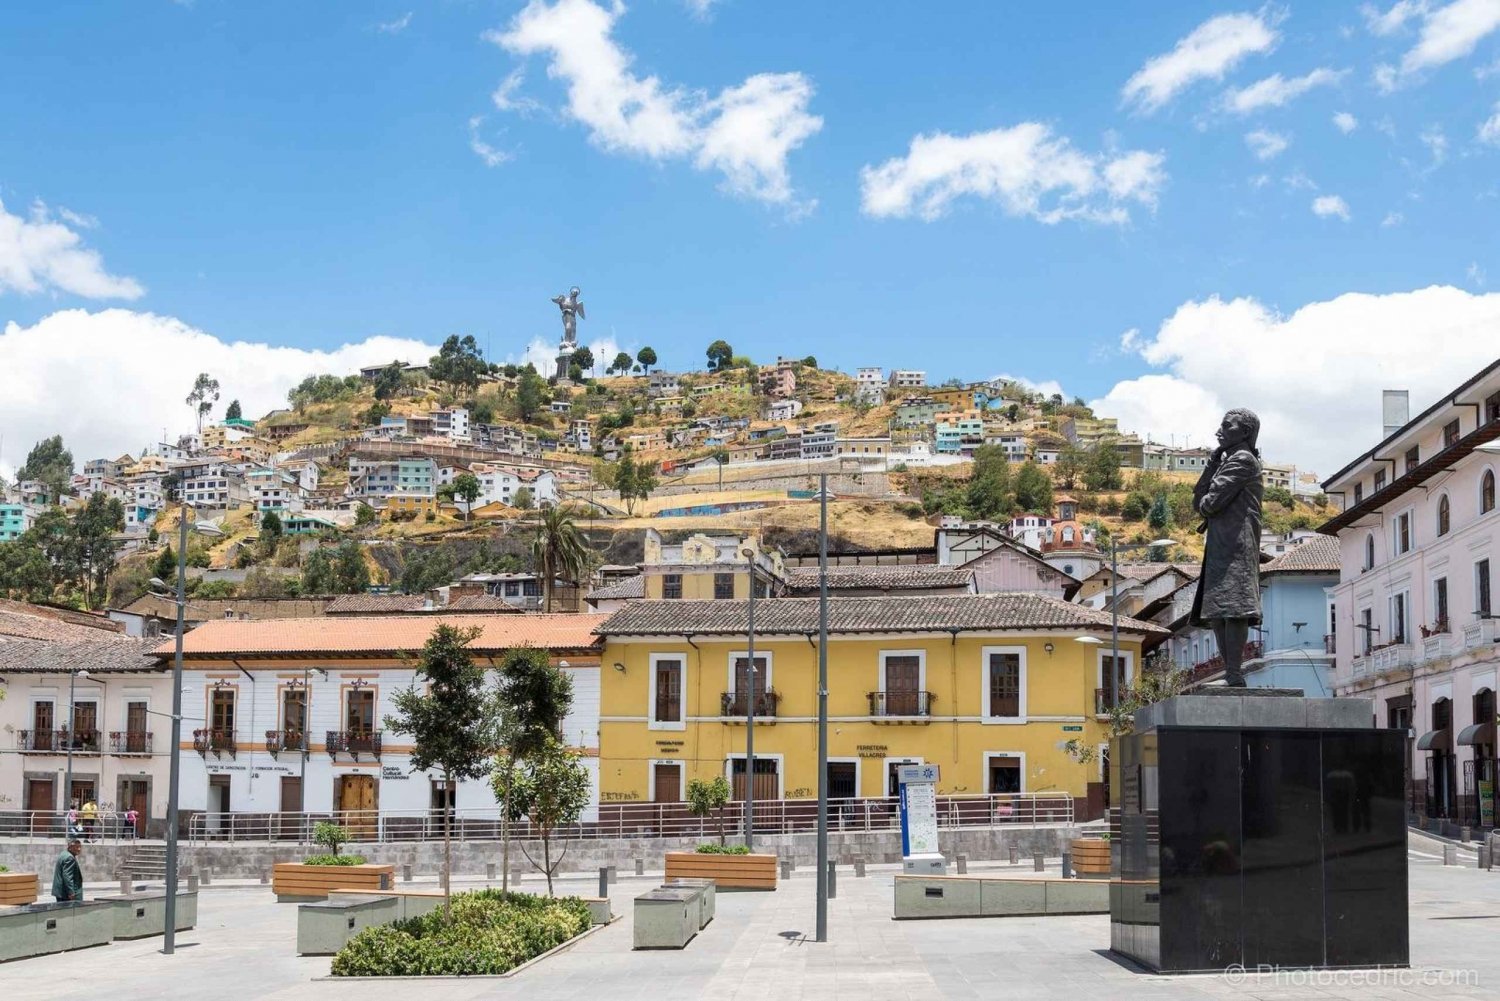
(757, 947)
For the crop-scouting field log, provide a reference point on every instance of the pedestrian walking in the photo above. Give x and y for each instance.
(67, 875)
(90, 820)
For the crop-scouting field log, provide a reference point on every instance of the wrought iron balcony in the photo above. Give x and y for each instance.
(129, 742)
(354, 743)
(285, 740)
(220, 742)
(901, 703)
(42, 741)
(736, 704)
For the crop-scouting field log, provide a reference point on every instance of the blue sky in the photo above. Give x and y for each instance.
(970, 188)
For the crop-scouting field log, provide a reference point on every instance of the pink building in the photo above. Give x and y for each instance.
(1410, 622)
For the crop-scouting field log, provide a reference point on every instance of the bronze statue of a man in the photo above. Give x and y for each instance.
(1228, 496)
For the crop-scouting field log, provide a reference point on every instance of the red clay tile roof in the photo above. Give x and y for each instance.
(885, 614)
(123, 655)
(481, 603)
(1317, 555)
(917, 576)
(375, 604)
(36, 622)
(383, 634)
(630, 587)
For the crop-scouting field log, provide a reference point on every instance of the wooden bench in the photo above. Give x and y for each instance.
(18, 888)
(1090, 856)
(298, 881)
(729, 872)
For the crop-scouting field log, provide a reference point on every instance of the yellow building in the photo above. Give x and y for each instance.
(709, 567)
(990, 687)
(410, 506)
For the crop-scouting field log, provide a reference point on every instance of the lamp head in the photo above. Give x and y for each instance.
(1090, 640)
(157, 583)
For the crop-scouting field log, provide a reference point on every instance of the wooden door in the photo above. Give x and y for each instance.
(903, 677)
(135, 728)
(666, 782)
(42, 726)
(41, 800)
(291, 805)
(743, 683)
(669, 692)
(135, 794)
(766, 775)
(357, 799)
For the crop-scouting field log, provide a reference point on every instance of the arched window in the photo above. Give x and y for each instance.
(1369, 551)
(1487, 492)
(1443, 515)
(1068, 534)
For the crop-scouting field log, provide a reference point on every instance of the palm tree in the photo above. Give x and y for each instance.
(559, 549)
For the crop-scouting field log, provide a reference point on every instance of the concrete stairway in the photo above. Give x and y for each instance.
(148, 862)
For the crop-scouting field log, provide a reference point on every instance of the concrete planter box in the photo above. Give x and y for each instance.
(729, 872)
(409, 903)
(1090, 857)
(42, 929)
(667, 918)
(18, 888)
(140, 915)
(297, 881)
(707, 902)
(326, 926)
(974, 896)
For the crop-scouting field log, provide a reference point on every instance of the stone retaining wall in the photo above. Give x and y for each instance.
(249, 859)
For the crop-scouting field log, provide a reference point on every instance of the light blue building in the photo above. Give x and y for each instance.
(1292, 649)
(15, 519)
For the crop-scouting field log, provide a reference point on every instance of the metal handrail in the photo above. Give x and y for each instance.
(34, 826)
(130, 742)
(735, 703)
(639, 819)
(901, 703)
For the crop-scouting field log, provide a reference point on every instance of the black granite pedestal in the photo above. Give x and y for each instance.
(1263, 832)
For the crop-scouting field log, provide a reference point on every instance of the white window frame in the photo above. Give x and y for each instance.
(1404, 634)
(735, 655)
(651, 764)
(984, 686)
(921, 656)
(1479, 492)
(1367, 553)
(1437, 516)
(1447, 600)
(652, 723)
(985, 780)
(779, 758)
(1364, 644)
(124, 709)
(1411, 538)
(1127, 656)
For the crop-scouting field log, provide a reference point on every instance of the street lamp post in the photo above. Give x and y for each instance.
(749, 553)
(822, 873)
(174, 775)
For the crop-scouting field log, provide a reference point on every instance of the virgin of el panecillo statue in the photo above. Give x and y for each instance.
(1228, 496)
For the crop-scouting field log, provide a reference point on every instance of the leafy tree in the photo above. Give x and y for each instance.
(317, 573)
(467, 489)
(989, 494)
(559, 549)
(1103, 469)
(1013, 412)
(522, 500)
(364, 515)
(426, 568)
(48, 462)
(1282, 496)
(530, 393)
(1033, 488)
(575, 372)
(647, 357)
(621, 364)
(93, 530)
(270, 527)
(233, 412)
(1070, 465)
(633, 481)
(459, 362)
(481, 412)
(583, 357)
(388, 381)
(351, 575)
(262, 583)
(448, 717)
(720, 355)
(532, 698)
(1160, 515)
(127, 584)
(330, 836)
(709, 797)
(1136, 506)
(552, 789)
(810, 361)
(25, 571)
(203, 397)
(377, 412)
(165, 567)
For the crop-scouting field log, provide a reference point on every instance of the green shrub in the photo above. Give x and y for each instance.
(4, 868)
(329, 835)
(712, 849)
(488, 932)
(334, 860)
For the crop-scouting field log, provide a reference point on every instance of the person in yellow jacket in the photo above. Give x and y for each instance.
(90, 819)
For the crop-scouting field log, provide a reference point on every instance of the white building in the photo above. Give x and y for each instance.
(869, 386)
(1411, 621)
(499, 484)
(783, 410)
(452, 423)
(907, 378)
(1014, 445)
(663, 384)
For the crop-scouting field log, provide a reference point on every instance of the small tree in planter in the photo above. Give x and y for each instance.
(707, 797)
(552, 789)
(330, 836)
(451, 722)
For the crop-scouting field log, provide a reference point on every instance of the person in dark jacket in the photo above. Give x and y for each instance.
(1228, 496)
(67, 875)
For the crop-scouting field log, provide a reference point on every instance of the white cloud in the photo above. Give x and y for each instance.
(1050, 387)
(1448, 33)
(1027, 169)
(1275, 90)
(1392, 218)
(747, 131)
(1208, 52)
(1266, 145)
(491, 156)
(1475, 274)
(1489, 129)
(395, 27)
(1391, 21)
(1330, 207)
(505, 97)
(701, 9)
(1345, 122)
(1314, 377)
(41, 254)
(1437, 144)
(54, 369)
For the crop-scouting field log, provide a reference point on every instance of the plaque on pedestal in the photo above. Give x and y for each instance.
(1258, 831)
